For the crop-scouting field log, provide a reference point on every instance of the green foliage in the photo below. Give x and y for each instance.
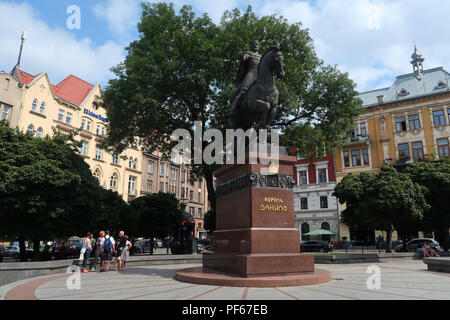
(435, 176)
(47, 191)
(183, 67)
(156, 214)
(382, 200)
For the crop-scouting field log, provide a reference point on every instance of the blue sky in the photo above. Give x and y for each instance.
(372, 40)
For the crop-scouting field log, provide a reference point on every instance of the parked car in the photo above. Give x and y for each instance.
(143, 246)
(412, 245)
(316, 246)
(72, 249)
(11, 252)
(203, 245)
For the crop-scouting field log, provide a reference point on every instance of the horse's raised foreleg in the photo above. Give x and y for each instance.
(271, 116)
(263, 107)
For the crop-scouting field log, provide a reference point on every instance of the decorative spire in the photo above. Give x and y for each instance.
(20, 52)
(417, 62)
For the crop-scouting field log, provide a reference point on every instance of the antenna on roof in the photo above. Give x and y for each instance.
(21, 49)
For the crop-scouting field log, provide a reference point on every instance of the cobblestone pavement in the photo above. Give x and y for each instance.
(408, 280)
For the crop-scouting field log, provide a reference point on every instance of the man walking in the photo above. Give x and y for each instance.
(107, 250)
(120, 250)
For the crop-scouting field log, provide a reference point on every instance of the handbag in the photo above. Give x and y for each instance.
(81, 256)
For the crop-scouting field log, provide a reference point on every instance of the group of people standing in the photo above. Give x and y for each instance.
(105, 247)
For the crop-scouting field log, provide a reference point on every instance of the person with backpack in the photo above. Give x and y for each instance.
(107, 250)
(97, 250)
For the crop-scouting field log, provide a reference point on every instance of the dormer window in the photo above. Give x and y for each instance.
(34, 105)
(403, 93)
(441, 85)
(94, 105)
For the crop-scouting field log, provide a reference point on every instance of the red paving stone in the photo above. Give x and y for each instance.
(27, 290)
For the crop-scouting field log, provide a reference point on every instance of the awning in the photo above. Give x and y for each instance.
(319, 232)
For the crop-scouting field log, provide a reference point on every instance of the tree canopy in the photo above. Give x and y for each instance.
(183, 67)
(384, 200)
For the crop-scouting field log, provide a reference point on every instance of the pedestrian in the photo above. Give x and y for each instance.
(126, 253)
(97, 250)
(121, 244)
(107, 250)
(86, 249)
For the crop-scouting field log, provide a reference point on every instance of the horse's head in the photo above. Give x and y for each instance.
(277, 63)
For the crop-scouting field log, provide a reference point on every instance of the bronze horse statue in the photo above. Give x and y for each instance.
(261, 101)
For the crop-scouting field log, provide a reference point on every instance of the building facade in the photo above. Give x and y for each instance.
(404, 123)
(159, 175)
(37, 107)
(314, 205)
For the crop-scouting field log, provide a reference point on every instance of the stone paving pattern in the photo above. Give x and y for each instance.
(405, 280)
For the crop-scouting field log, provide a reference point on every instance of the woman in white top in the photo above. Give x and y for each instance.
(126, 252)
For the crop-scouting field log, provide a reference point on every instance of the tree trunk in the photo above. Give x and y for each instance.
(23, 251)
(36, 249)
(389, 239)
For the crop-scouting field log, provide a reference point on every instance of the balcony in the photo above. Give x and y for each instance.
(357, 140)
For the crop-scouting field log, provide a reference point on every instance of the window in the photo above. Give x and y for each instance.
(135, 164)
(97, 175)
(69, 118)
(403, 150)
(346, 159)
(115, 158)
(304, 230)
(149, 185)
(131, 185)
(61, 115)
(88, 126)
(443, 148)
(366, 156)
(83, 123)
(183, 176)
(98, 130)
(161, 186)
(400, 124)
(167, 170)
(448, 111)
(30, 129)
(355, 131)
(417, 149)
(113, 181)
(414, 122)
(132, 163)
(103, 131)
(200, 213)
(322, 175)
(161, 171)
(42, 109)
(303, 177)
(323, 202)
(439, 118)
(150, 167)
(94, 106)
(98, 153)
(191, 195)
(304, 203)
(5, 112)
(167, 187)
(356, 158)
(39, 133)
(83, 149)
(34, 105)
(363, 129)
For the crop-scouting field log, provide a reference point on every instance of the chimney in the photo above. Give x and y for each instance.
(380, 99)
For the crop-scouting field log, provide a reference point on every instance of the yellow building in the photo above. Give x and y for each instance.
(404, 123)
(36, 106)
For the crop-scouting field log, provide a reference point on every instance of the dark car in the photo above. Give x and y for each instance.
(412, 245)
(72, 249)
(143, 246)
(316, 246)
(203, 245)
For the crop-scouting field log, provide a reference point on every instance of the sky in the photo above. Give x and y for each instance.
(372, 40)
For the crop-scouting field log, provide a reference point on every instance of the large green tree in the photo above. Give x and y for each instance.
(386, 200)
(156, 215)
(435, 176)
(47, 190)
(183, 67)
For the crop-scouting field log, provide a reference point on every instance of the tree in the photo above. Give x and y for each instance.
(156, 214)
(47, 191)
(384, 201)
(435, 176)
(182, 69)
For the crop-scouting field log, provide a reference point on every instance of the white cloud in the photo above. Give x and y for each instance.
(53, 50)
(121, 15)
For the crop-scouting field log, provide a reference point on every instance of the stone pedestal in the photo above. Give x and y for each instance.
(255, 237)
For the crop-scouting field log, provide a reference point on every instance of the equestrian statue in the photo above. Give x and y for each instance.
(256, 96)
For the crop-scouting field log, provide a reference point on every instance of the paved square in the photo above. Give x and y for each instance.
(407, 279)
